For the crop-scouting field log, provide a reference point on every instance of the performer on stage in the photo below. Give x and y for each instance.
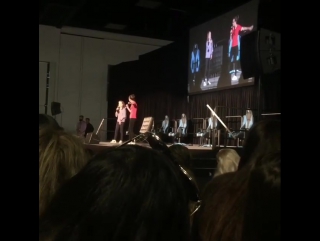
(182, 125)
(212, 124)
(165, 125)
(133, 115)
(163, 131)
(247, 120)
(234, 45)
(121, 115)
(209, 51)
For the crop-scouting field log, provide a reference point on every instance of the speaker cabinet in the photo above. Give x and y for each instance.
(55, 108)
(92, 138)
(260, 53)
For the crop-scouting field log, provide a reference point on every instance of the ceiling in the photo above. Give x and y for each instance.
(160, 19)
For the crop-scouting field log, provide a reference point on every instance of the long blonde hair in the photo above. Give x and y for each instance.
(61, 156)
(228, 161)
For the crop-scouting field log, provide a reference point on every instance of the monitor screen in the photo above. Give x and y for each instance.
(214, 50)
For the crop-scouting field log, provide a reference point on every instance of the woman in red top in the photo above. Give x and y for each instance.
(133, 114)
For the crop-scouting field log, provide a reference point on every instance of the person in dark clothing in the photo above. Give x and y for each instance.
(89, 128)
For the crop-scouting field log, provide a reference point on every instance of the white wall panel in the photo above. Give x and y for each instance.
(42, 86)
(79, 68)
(70, 77)
(94, 75)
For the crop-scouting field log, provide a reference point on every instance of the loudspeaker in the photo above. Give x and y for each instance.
(92, 138)
(146, 124)
(260, 53)
(55, 108)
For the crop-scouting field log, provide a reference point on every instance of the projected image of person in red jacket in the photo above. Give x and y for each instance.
(234, 43)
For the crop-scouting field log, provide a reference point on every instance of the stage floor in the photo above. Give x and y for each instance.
(190, 147)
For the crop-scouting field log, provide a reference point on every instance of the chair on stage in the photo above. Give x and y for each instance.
(211, 133)
(233, 136)
(199, 127)
(172, 130)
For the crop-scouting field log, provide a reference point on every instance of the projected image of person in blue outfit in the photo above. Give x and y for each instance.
(195, 61)
(209, 52)
(234, 48)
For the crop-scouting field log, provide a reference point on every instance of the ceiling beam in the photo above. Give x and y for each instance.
(72, 13)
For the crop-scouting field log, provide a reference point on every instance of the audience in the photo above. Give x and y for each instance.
(48, 122)
(182, 156)
(127, 193)
(263, 138)
(227, 161)
(138, 194)
(224, 199)
(61, 156)
(262, 211)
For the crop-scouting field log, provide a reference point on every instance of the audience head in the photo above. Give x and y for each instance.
(166, 117)
(227, 161)
(262, 213)
(80, 117)
(127, 193)
(61, 156)
(182, 155)
(87, 120)
(263, 138)
(46, 121)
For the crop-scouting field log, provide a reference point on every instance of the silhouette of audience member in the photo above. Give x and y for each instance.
(61, 156)
(128, 193)
(262, 212)
(224, 199)
(182, 156)
(227, 161)
(47, 121)
(263, 138)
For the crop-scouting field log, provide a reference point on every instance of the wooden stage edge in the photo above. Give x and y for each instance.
(196, 151)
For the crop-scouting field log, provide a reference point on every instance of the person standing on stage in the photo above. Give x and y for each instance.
(81, 127)
(121, 115)
(133, 115)
(89, 128)
(209, 51)
(234, 44)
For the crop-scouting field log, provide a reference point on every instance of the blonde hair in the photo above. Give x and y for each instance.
(228, 161)
(61, 156)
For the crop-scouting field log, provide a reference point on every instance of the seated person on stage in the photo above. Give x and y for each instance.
(163, 131)
(182, 127)
(165, 125)
(247, 122)
(212, 124)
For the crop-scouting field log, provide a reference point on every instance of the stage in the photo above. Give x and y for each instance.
(203, 158)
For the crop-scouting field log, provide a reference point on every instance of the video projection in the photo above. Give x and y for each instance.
(214, 50)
